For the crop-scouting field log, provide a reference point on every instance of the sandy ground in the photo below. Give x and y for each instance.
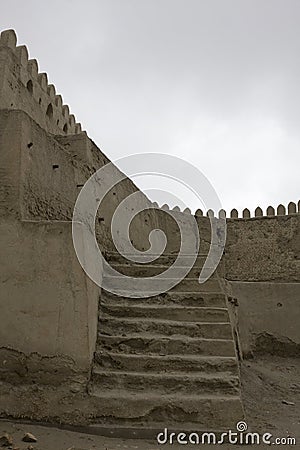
(271, 394)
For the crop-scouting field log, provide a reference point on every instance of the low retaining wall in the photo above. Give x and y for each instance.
(267, 317)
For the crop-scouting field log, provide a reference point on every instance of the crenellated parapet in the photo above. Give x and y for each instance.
(23, 87)
(280, 210)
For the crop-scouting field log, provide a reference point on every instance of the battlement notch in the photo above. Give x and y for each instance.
(24, 88)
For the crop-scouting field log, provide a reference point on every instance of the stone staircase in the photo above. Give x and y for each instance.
(168, 360)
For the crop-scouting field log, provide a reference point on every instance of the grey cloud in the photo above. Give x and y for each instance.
(216, 82)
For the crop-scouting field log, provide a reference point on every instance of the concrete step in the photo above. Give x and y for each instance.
(150, 270)
(170, 312)
(160, 263)
(168, 363)
(123, 429)
(162, 345)
(147, 409)
(135, 326)
(165, 259)
(127, 286)
(196, 299)
(166, 383)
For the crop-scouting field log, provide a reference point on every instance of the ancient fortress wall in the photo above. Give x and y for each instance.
(48, 305)
(23, 87)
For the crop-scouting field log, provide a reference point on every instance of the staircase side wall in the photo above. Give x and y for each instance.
(48, 306)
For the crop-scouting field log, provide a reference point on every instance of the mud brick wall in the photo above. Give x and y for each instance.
(263, 249)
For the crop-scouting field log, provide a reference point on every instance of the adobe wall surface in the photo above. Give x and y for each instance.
(267, 317)
(263, 249)
(43, 175)
(262, 260)
(48, 306)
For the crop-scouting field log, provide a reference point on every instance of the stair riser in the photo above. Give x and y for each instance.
(207, 330)
(144, 363)
(186, 285)
(137, 345)
(204, 413)
(169, 313)
(196, 299)
(164, 260)
(150, 271)
(165, 384)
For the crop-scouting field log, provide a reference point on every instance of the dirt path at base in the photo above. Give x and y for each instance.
(271, 395)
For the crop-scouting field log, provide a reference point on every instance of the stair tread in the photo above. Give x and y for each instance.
(182, 293)
(157, 320)
(165, 375)
(151, 336)
(148, 265)
(196, 358)
(166, 398)
(171, 306)
(154, 279)
(193, 294)
(197, 299)
(114, 253)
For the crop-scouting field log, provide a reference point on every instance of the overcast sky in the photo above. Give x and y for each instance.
(216, 82)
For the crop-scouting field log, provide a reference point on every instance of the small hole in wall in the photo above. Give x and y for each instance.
(101, 219)
(30, 145)
(57, 122)
(40, 101)
(49, 111)
(55, 166)
(65, 128)
(80, 185)
(29, 86)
